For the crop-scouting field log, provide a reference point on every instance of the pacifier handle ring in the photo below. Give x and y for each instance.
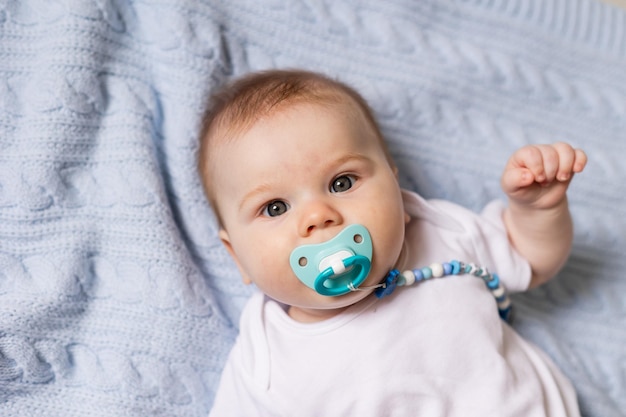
(358, 261)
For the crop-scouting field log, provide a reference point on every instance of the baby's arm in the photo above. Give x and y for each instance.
(537, 219)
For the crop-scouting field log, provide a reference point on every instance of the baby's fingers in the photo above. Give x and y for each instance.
(516, 178)
(535, 163)
(580, 160)
(570, 161)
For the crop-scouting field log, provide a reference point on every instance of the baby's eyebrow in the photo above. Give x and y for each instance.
(347, 158)
(259, 189)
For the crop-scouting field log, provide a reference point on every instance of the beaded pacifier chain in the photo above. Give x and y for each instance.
(492, 281)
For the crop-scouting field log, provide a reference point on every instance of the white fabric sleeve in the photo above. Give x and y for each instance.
(513, 269)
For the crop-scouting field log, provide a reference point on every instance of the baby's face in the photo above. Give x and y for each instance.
(300, 176)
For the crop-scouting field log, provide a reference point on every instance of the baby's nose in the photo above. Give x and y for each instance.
(318, 215)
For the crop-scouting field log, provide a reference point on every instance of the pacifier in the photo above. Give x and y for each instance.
(337, 266)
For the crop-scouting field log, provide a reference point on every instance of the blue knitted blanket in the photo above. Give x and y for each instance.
(116, 297)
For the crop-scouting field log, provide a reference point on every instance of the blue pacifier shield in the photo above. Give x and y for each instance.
(337, 266)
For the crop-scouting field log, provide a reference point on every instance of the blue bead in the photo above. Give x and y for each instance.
(384, 291)
(427, 272)
(456, 267)
(393, 275)
(418, 275)
(447, 268)
(401, 281)
(506, 314)
(494, 283)
(391, 281)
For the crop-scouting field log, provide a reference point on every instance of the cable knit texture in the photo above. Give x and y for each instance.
(116, 297)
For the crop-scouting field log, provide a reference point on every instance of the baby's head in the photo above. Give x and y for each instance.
(290, 158)
(238, 105)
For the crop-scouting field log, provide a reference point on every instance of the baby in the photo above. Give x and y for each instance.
(310, 208)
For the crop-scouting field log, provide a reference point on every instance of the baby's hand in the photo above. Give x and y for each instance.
(538, 175)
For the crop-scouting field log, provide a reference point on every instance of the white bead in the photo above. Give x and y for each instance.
(409, 278)
(498, 292)
(437, 270)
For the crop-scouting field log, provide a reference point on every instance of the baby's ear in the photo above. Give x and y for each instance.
(223, 234)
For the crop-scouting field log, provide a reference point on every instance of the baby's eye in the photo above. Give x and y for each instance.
(275, 208)
(342, 183)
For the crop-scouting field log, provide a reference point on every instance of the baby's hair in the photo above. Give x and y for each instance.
(238, 105)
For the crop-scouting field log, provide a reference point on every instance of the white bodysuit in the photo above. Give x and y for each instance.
(437, 348)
